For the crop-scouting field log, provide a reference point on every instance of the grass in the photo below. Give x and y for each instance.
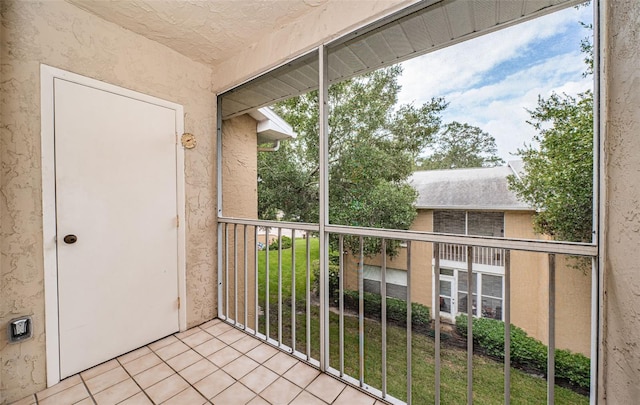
(300, 273)
(488, 375)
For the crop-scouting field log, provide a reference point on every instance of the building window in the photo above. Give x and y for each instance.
(454, 296)
(479, 223)
(396, 281)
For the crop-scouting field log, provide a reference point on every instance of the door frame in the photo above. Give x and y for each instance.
(47, 76)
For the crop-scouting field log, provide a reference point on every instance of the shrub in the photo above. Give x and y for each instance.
(334, 257)
(286, 243)
(526, 351)
(334, 279)
(396, 309)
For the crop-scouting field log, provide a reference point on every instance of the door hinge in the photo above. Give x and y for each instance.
(177, 221)
(176, 139)
(178, 302)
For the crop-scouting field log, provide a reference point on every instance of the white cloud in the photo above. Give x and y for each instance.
(458, 73)
(501, 108)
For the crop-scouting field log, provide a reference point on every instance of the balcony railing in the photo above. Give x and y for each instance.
(488, 256)
(277, 298)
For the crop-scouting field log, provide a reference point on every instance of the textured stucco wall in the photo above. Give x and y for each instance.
(621, 339)
(240, 200)
(325, 22)
(240, 167)
(59, 34)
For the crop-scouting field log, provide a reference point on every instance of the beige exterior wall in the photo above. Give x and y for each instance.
(529, 279)
(530, 291)
(239, 200)
(620, 371)
(58, 34)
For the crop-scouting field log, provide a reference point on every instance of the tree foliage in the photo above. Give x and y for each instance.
(558, 172)
(373, 144)
(558, 178)
(461, 146)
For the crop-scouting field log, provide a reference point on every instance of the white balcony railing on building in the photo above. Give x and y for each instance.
(481, 255)
(253, 296)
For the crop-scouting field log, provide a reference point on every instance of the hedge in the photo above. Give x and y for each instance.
(286, 243)
(526, 351)
(396, 309)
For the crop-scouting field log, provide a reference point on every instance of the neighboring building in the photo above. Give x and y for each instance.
(479, 202)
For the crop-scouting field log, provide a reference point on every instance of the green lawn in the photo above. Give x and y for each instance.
(300, 273)
(488, 375)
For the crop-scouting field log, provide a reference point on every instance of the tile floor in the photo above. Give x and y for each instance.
(212, 363)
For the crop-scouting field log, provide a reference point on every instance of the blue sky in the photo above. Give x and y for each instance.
(492, 80)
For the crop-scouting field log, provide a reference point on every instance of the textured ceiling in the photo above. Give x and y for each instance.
(206, 31)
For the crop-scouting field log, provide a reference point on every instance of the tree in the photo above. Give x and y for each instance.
(459, 146)
(373, 144)
(558, 173)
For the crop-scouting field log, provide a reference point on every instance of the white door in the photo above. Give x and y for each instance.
(448, 308)
(115, 172)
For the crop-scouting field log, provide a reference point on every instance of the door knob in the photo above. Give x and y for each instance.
(70, 239)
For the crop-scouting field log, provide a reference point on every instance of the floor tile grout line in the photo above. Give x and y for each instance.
(228, 345)
(134, 380)
(87, 388)
(177, 372)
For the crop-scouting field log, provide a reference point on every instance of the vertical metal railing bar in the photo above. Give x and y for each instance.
(308, 297)
(256, 304)
(245, 258)
(219, 182)
(267, 232)
(226, 271)
(409, 323)
(361, 312)
(507, 327)
(470, 325)
(600, 23)
(323, 191)
(279, 286)
(594, 331)
(219, 269)
(235, 274)
(436, 271)
(383, 302)
(551, 350)
(293, 290)
(341, 303)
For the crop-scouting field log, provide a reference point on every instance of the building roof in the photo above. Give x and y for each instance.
(477, 189)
